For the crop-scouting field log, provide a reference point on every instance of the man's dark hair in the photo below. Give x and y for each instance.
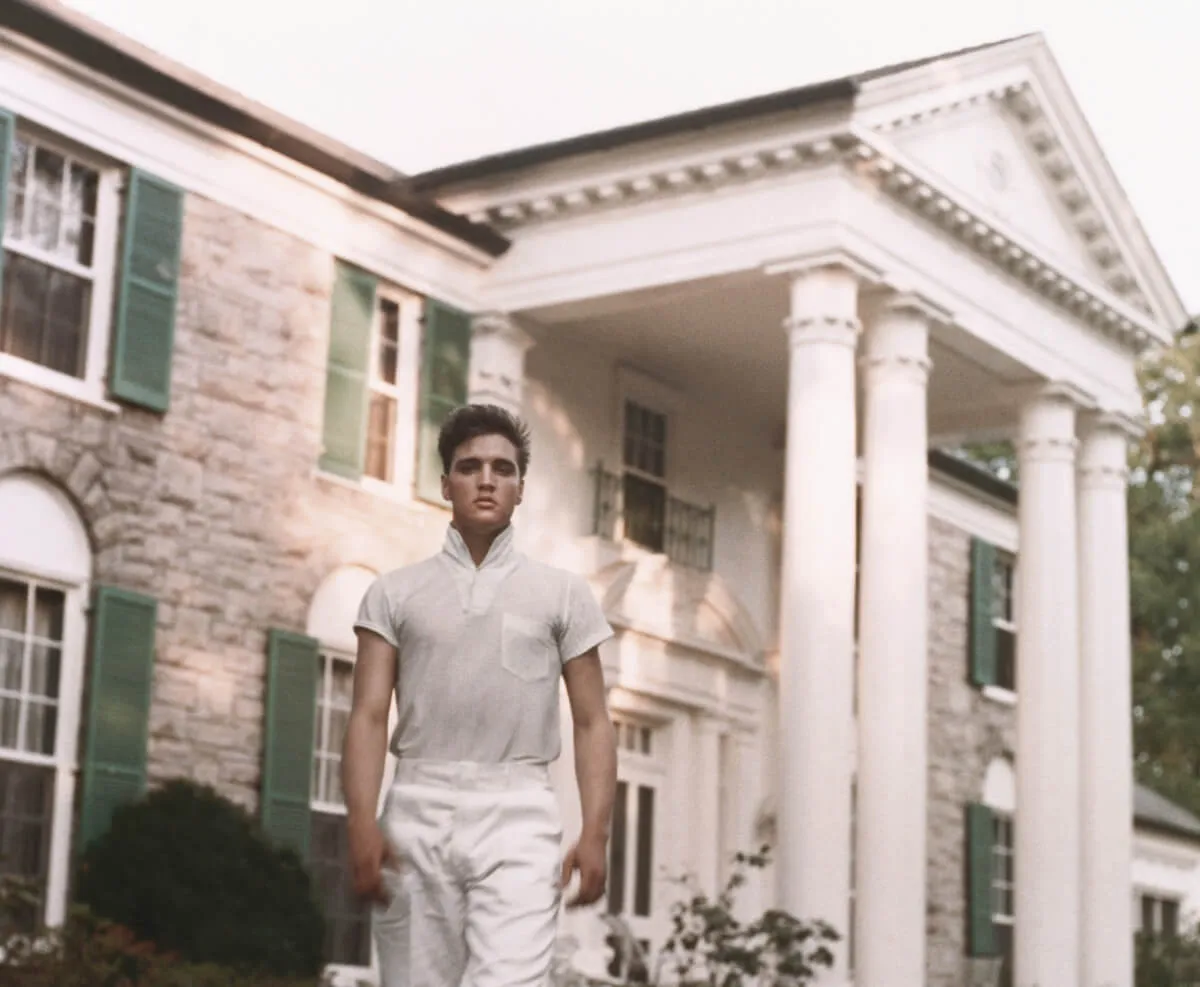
(473, 420)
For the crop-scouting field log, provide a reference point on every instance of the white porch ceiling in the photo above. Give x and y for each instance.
(721, 342)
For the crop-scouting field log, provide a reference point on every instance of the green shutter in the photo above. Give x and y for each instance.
(144, 335)
(983, 631)
(981, 837)
(445, 361)
(291, 715)
(8, 128)
(344, 434)
(122, 672)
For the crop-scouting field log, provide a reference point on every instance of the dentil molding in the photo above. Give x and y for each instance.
(1118, 309)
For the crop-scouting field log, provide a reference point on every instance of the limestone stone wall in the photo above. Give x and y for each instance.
(966, 731)
(215, 509)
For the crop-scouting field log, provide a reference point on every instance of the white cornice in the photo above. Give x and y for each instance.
(909, 184)
(871, 157)
(1028, 106)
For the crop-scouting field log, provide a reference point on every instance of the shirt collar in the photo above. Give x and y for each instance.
(500, 552)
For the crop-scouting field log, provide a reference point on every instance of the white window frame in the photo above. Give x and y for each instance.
(638, 769)
(65, 759)
(1158, 899)
(89, 389)
(344, 973)
(405, 392)
(1010, 624)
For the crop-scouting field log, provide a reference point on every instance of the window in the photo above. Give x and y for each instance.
(1004, 620)
(1160, 916)
(58, 258)
(347, 919)
(31, 642)
(1003, 910)
(632, 846)
(645, 459)
(384, 391)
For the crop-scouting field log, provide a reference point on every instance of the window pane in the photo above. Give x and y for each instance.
(347, 919)
(380, 430)
(81, 213)
(10, 722)
(1170, 918)
(45, 661)
(645, 851)
(48, 607)
(645, 512)
(1148, 924)
(48, 167)
(1006, 659)
(616, 853)
(41, 721)
(12, 650)
(25, 806)
(43, 314)
(18, 176)
(13, 596)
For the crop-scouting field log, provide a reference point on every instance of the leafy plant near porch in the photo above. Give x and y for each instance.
(1167, 961)
(710, 947)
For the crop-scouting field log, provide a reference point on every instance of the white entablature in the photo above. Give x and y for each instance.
(1065, 233)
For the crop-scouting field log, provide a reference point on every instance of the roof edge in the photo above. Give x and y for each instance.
(95, 46)
(973, 476)
(829, 91)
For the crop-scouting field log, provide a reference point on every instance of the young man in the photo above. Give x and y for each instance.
(465, 865)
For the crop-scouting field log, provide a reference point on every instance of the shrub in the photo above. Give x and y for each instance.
(191, 872)
(710, 947)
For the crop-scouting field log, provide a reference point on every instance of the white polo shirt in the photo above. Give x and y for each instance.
(481, 651)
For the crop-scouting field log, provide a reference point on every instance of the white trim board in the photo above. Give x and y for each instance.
(94, 111)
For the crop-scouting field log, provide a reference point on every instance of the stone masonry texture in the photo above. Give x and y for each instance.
(966, 732)
(215, 509)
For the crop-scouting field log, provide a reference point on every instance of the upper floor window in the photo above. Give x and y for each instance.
(389, 384)
(994, 615)
(58, 257)
(645, 445)
(1159, 915)
(1004, 620)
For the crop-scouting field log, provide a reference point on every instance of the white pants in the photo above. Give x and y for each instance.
(475, 902)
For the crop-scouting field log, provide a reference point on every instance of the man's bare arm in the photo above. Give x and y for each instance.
(364, 753)
(595, 772)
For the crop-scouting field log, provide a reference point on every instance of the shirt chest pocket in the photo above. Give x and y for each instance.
(525, 648)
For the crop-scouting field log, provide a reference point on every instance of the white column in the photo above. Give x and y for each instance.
(1106, 729)
(817, 611)
(497, 373)
(893, 620)
(1047, 823)
(704, 808)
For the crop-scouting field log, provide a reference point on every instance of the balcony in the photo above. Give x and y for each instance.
(632, 508)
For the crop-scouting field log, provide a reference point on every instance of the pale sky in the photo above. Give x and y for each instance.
(421, 84)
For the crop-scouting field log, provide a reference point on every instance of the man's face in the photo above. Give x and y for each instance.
(483, 486)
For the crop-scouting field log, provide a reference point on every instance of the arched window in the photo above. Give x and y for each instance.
(45, 569)
(331, 621)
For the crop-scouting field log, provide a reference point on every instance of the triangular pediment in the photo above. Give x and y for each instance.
(982, 154)
(999, 131)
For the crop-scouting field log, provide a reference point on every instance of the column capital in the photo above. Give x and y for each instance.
(501, 326)
(897, 335)
(1104, 451)
(1047, 423)
(497, 372)
(838, 330)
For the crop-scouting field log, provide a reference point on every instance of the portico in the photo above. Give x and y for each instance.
(862, 272)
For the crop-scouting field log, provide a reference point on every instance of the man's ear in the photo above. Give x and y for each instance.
(445, 487)
(521, 490)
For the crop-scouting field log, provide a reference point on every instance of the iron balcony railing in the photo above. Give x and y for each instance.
(631, 507)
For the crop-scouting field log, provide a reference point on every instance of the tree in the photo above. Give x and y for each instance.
(1164, 523)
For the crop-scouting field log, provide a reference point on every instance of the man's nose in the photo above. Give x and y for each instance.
(487, 478)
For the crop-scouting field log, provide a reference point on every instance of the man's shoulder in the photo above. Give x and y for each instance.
(399, 579)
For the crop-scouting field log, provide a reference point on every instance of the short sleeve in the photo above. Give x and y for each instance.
(583, 623)
(375, 613)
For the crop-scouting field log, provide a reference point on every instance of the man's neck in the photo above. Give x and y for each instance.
(478, 543)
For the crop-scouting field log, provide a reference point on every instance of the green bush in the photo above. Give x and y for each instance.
(191, 872)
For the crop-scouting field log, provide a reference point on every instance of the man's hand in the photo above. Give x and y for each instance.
(370, 853)
(590, 858)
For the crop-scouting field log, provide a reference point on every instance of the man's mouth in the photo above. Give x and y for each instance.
(485, 502)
